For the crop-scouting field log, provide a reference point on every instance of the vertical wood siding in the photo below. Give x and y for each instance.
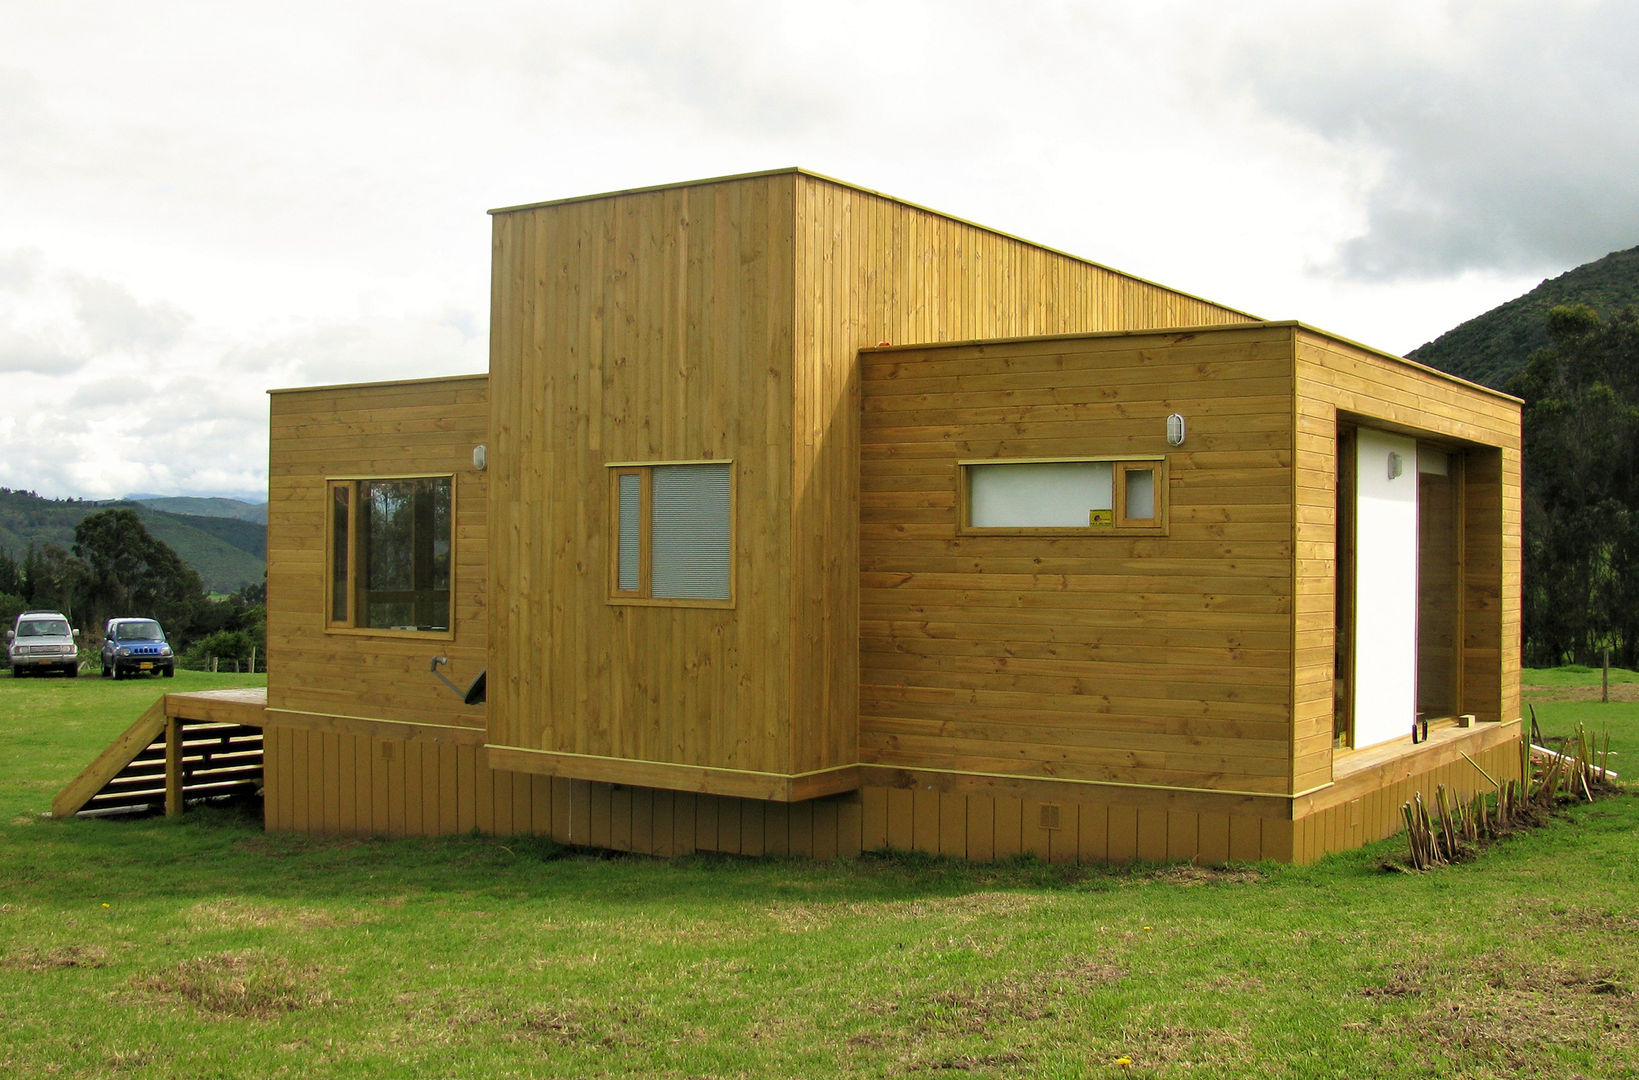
(869, 270)
(723, 320)
(357, 783)
(646, 327)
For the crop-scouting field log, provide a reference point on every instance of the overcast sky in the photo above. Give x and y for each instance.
(200, 201)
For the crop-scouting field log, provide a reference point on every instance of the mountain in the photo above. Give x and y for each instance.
(196, 506)
(1492, 348)
(226, 552)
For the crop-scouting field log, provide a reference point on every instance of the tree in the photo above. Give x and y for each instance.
(11, 589)
(50, 578)
(11, 575)
(128, 572)
(1581, 489)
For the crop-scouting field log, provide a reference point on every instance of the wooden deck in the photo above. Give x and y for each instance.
(243, 707)
(185, 747)
(1446, 743)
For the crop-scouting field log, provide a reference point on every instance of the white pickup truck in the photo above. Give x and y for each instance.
(41, 641)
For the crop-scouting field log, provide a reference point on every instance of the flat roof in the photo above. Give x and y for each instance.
(380, 383)
(1263, 324)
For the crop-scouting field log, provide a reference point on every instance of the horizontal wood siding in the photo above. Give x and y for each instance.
(722, 320)
(1339, 383)
(870, 269)
(1152, 660)
(381, 430)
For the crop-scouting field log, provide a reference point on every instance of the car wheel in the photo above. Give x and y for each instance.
(170, 671)
(72, 672)
(118, 674)
(17, 672)
(107, 672)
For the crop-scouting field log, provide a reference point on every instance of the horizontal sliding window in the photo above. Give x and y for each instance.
(390, 553)
(673, 532)
(1088, 495)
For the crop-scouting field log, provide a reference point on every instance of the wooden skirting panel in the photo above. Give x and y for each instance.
(775, 787)
(1370, 809)
(342, 779)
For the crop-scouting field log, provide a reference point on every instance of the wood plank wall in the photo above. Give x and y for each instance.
(871, 269)
(384, 429)
(1339, 383)
(722, 320)
(1369, 810)
(642, 327)
(1155, 660)
(354, 783)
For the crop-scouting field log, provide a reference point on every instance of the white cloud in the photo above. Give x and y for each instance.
(231, 198)
(1508, 132)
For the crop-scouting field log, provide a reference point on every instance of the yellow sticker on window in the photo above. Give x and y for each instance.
(1101, 517)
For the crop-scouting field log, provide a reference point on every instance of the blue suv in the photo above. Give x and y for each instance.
(135, 647)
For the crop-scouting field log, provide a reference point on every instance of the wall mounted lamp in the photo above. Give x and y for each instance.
(1175, 429)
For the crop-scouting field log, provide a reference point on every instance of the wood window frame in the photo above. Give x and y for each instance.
(641, 595)
(1121, 524)
(347, 620)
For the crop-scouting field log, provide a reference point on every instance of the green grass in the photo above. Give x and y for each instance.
(1550, 693)
(200, 947)
(1573, 675)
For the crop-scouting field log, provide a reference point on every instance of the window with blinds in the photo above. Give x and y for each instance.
(673, 539)
(1064, 495)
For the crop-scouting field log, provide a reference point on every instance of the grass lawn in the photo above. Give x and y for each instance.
(200, 947)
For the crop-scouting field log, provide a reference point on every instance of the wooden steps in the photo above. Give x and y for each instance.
(184, 748)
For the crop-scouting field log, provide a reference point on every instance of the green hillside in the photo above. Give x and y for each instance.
(1492, 348)
(196, 506)
(226, 553)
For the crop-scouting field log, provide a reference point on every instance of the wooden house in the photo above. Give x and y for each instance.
(792, 518)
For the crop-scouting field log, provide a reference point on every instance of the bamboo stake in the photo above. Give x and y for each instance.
(1476, 765)
(1417, 859)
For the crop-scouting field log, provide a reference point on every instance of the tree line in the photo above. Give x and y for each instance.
(1581, 490)
(116, 569)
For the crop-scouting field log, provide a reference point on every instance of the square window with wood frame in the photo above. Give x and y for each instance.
(390, 554)
(672, 535)
(1070, 496)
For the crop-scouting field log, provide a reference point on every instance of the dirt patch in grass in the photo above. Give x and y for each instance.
(966, 1063)
(1402, 981)
(1189, 874)
(453, 1018)
(1514, 1018)
(577, 1024)
(976, 1008)
(62, 956)
(1548, 918)
(1172, 1047)
(250, 985)
(120, 1062)
(960, 910)
(239, 914)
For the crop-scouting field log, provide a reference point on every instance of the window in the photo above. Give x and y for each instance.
(673, 540)
(390, 554)
(1065, 495)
